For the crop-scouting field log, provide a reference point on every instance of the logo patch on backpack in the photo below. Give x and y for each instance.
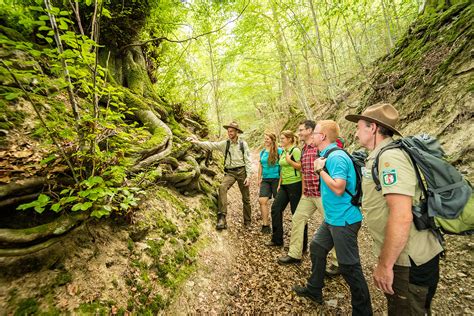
(389, 177)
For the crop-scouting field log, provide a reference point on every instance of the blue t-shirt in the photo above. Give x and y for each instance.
(338, 210)
(269, 171)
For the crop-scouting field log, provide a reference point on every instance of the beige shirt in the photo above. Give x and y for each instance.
(397, 175)
(235, 158)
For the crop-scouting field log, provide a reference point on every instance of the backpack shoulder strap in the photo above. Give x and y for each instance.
(227, 146)
(242, 147)
(293, 158)
(375, 166)
(327, 153)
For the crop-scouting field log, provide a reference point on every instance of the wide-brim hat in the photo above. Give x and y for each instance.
(234, 125)
(383, 114)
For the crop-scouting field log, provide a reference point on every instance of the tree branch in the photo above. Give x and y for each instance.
(164, 38)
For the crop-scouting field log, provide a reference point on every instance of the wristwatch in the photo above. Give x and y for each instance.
(318, 171)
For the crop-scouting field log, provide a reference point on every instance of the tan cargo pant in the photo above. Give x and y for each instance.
(231, 176)
(306, 208)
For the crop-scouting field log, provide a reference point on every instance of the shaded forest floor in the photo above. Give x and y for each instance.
(238, 274)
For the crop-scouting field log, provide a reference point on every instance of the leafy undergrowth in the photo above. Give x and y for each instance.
(240, 275)
(115, 268)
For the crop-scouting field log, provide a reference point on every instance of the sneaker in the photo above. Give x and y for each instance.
(332, 271)
(273, 244)
(304, 292)
(266, 229)
(288, 260)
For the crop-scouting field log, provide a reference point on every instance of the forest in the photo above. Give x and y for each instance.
(107, 207)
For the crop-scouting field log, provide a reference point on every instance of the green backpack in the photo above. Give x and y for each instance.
(446, 204)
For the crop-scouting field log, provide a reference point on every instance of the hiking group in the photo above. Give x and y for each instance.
(386, 185)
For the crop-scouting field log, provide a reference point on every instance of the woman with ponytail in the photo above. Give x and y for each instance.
(268, 177)
(290, 187)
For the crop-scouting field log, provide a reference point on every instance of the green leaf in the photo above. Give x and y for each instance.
(100, 213)
(106, 13)
(69, 199)
(13, 95)
(62, 25)
(56, 207)
(43, 198)
(124, 206)
(81, 206)
(27, 206)
(92, 181)
(39, 209)
(48, 159)
(64, 191)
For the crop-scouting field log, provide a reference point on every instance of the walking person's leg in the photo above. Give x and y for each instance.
(227, 182)
(264, 211)
(279, 205)
(320, 245)
(333, 266)
(347, 249)
(299, 220)
(245, 191)
(295, 191)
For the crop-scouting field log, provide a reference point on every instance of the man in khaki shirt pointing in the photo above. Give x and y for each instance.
(408, 260)
(237, 167)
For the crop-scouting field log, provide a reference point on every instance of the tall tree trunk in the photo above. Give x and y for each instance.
(309, 79)
(322, 60)
(393, 6)
(354, 47)
(387, 26)
(296, 83)
(215, 86)
(284, 79)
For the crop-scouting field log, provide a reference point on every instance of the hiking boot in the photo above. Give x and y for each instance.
(332, 271)
(271, 243)
(266, 229)
(305, 292)
(288, 260)
(221, 222)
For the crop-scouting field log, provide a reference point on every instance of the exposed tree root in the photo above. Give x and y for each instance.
(55, 228)
(22, 187)
(18, 252)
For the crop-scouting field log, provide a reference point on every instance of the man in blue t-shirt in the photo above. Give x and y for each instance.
(342, 221)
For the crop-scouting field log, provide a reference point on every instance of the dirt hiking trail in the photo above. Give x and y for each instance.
(237, 274)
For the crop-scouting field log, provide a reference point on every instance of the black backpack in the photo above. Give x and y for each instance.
(358, 160)
(446, 202)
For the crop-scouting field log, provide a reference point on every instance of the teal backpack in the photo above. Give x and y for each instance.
(446, 204)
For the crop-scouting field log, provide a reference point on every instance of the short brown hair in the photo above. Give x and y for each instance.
(330, 128)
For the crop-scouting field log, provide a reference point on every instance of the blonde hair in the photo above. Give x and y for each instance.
(330, 128)
(291, 136)
(273, 155)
